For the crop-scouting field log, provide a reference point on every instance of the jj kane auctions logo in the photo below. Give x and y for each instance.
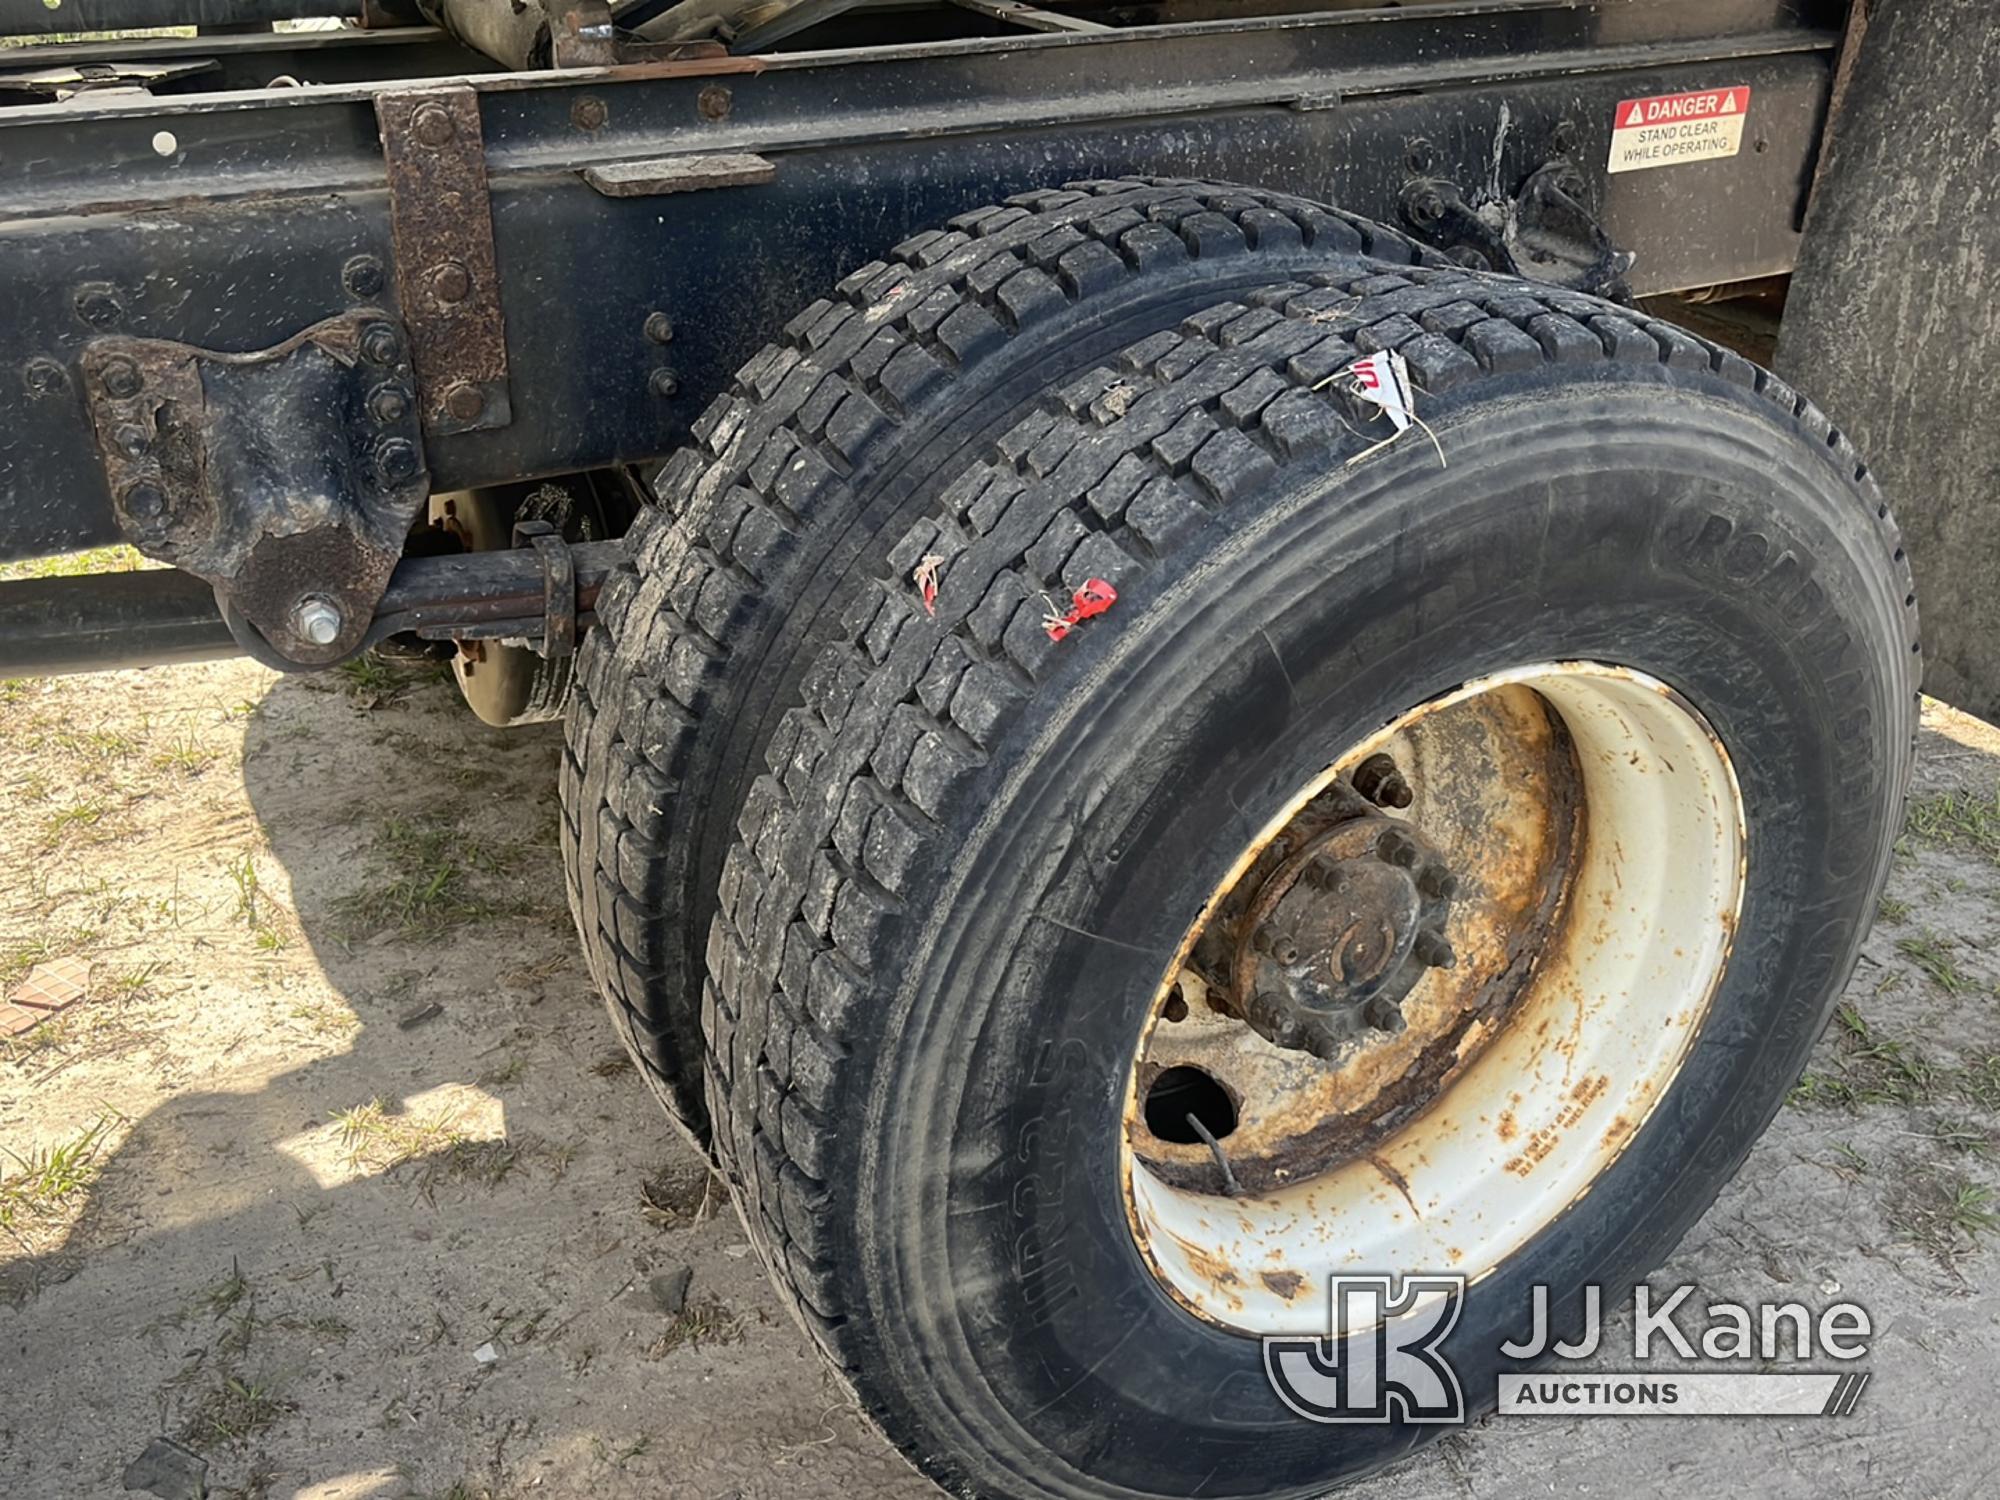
(1382, 1358)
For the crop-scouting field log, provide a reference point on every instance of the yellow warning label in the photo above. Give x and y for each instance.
(1676, 128)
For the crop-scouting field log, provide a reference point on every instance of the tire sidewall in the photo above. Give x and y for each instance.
(1658, 520)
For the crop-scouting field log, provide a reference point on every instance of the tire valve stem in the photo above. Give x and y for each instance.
(1229, 1182)
(1380, 780)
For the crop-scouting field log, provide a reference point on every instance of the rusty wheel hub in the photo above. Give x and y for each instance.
(1477, 944)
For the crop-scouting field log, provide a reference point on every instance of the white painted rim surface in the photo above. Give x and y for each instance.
(1585, 1055)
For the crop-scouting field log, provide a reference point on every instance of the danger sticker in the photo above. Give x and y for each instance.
(1677, 128)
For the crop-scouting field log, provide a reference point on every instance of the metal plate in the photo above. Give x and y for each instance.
(441, 224)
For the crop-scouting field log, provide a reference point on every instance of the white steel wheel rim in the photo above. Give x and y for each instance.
(1597, 1036)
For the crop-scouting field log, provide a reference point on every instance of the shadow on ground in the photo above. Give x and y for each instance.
(387, 1209)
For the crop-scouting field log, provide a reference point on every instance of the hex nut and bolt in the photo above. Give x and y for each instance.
(132, 439)
(121, 379)
(464, 401)
(379, 344)
(43, 376)
(396, 461)
(659, 328)
(450, 284)
(362, 275)
(432, 125)
(589, 113)
(98, 305)
(389, 403)
(144, 501)
(317, 620)
(664, 383)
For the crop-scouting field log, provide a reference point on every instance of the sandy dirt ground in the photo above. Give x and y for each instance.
(338, 1178)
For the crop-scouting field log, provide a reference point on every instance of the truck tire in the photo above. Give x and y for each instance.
(969, 1037)
(824, 438)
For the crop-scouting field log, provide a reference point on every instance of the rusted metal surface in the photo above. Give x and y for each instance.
(1596, 985)
(447, 278)
(281, 477)
(1495, 795)
(679, 174)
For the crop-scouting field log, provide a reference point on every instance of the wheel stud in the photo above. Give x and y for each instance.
(1385, 1015)
(1381, 782)
(1432, 951)
(1436, 880)
(1395, 847)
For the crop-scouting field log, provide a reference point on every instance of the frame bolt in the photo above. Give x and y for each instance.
(121, 378)
(379, 344)
(98, 305)
(714, 102)
(132, 439)
(42, 376)
(396, 461)
(464, 401)
(144, 502)
(589, 113)
(1378, 779)
(450, 283)
(362, 275)
(664, 382)
(389, 403)
(659, 328)
(317, 619)
(433, 125)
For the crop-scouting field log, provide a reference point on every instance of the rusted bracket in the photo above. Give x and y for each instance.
(558, 586)
(286, 478)
(441, 227)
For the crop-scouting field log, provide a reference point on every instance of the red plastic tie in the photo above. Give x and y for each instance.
(1094, 598)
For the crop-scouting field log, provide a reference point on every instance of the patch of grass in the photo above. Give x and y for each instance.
(436, 1144)
(15, 962)
(703, 1321)
(1873, 1069)
(185, 754)
(59, 825)
(233, 1411)
(612, 1065)
(1964, 820)
(243, 875)
(370, 682)
(118, 559)
(43, 1184)
(1944, 1213)
(1932, 954)
(1889, 909)
(324, 1018)
(432, 868)
(500, 1076)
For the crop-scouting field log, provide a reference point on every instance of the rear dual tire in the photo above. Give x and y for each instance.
(957, 892)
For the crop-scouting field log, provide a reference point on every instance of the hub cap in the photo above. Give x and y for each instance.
(1438, 995)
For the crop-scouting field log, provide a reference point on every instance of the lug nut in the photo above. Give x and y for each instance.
(317, 619)
(1436, 880)
(1385, 1015)
(664, 383)
(1395, 847)
(1432, 951)
(1378, 779)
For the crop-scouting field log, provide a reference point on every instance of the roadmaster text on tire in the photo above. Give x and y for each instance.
(1063, 958)
(913, 365)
